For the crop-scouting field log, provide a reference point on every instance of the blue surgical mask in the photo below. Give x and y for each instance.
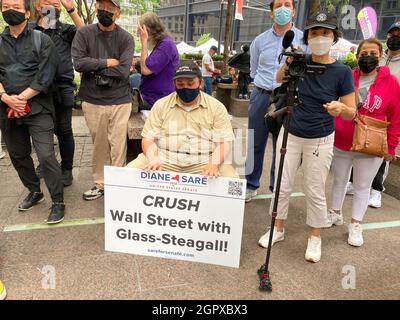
(188, 95)
(283, 15)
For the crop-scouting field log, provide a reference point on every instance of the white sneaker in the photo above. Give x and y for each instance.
(250, 194)
(355, 235)
(313, 252)
(375, 199)
(334, 218)
(276, 237)
(350, 189)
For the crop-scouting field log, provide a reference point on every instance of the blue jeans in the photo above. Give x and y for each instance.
(258, 107)
(208, 85)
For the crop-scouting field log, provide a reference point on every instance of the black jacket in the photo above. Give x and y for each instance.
(62, 38)
(22, 67)
(240, 61)
(90, 51)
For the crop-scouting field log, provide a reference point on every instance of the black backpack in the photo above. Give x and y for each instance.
(276, 110)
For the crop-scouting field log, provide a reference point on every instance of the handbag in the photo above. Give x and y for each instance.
(370, 136)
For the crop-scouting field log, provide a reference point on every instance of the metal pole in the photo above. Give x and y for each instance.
(233, 25)
(302, 13)
(221, 11)
(186, 33)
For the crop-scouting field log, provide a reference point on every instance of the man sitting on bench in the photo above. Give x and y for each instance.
(187, 131)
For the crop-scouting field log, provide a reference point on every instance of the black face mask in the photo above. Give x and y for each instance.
(393, 43)
(13, 17)
(367, 64)
(105, 17)
(188, 95)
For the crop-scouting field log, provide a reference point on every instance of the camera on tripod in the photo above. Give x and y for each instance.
(299, 66)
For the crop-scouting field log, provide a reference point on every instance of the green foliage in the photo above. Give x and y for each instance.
(199, 56)
(203, 39)
(351, 63)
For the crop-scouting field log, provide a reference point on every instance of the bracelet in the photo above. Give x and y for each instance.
(71, 10)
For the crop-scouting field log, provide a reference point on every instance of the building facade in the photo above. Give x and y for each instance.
(203, 16)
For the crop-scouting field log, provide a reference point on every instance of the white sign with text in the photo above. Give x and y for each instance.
(174, 215)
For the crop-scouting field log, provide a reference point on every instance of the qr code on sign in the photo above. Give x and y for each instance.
(235, 188)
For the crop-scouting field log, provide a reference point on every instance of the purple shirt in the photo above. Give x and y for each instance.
(163, 62)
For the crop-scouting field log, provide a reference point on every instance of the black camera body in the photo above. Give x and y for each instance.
(103, 81)
(299, 67)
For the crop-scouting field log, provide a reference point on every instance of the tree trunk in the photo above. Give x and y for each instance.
(315, 6)
(228, 33)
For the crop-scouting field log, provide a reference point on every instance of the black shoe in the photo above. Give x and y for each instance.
(67, 177)
(57, 213)
(32, 199)
(38, 171)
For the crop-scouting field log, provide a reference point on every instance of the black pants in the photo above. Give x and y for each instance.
(40, 128)
(380, 177)
(243, 82)
(63, 128)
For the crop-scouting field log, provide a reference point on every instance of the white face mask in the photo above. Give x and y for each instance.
(320, 45)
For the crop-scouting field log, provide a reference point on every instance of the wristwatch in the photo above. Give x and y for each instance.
(71, 10)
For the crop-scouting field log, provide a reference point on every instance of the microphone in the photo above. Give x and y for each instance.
(287, 39)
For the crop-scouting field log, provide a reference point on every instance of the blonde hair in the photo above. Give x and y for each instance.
(157, 30)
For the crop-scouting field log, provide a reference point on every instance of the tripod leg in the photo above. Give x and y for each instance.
(265, 282)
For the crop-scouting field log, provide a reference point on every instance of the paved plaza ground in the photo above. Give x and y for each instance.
(84, 270)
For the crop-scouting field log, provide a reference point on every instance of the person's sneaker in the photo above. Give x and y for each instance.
(250, 194)
(355, 235)
(2, 154)
(349, 188)
(57, 213)
(313, 252)
(67, 177)
(334, 218)
(32, 199)
(240, 96)
(3, 292)
(246, 97)
(93, 194)
(375, 199)
(38, 171)
(276, 237)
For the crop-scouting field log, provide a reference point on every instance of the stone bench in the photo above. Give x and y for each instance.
(227, 94)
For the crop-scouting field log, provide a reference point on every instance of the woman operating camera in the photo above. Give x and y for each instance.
(311, 130)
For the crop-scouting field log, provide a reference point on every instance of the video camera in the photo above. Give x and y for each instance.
(299, 67)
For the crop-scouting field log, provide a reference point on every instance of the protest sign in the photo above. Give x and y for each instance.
(174, 215)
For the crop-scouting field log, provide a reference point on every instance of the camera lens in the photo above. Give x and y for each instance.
(297, 68)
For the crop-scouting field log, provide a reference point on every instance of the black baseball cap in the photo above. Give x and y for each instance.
(322, 19)
(187, 70)
(394, 26)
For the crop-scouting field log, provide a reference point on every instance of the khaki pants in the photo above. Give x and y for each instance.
(108, 126)
(315, 156)
(141, 161)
